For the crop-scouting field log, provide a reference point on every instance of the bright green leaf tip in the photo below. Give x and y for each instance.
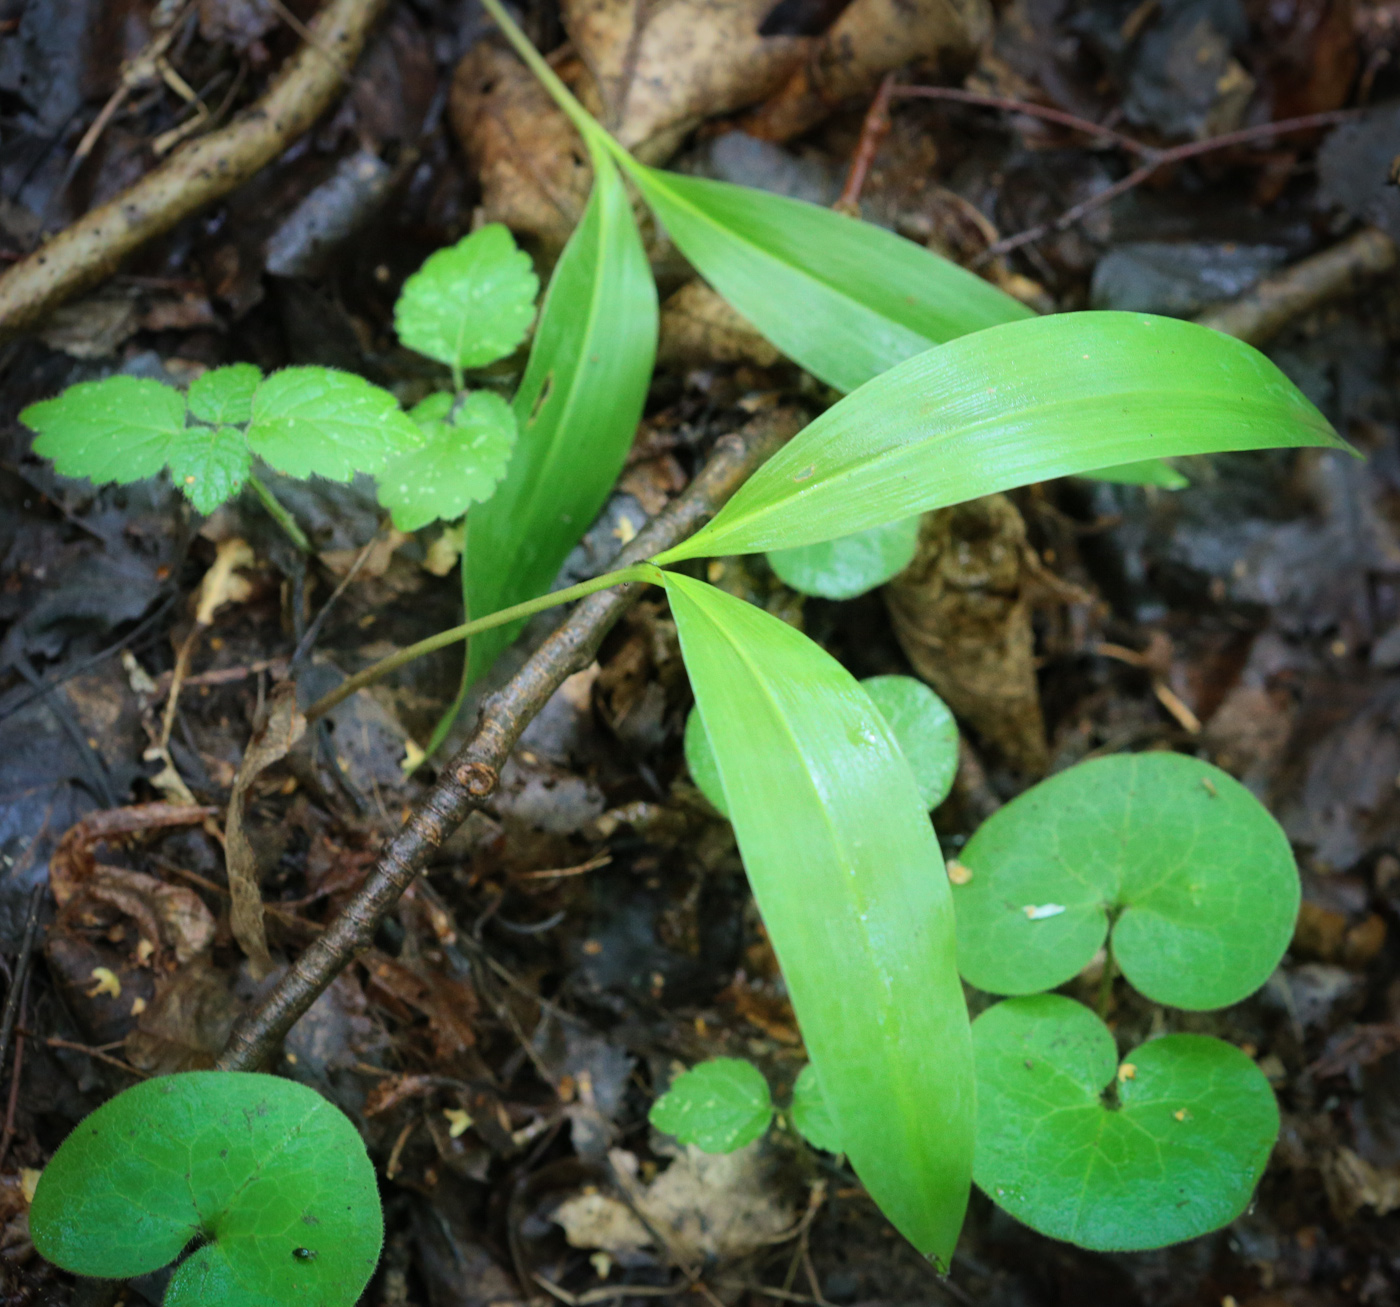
(718, 1106)
(1174, 1151)
(270, 1174)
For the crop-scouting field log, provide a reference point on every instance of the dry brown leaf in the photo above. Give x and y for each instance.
(74, 860)
(1353, 1183)
(699, 326)
(962, 613)
(449, 1005)
(282, 726)
(184, 1027)
(533, 169)
(170, 916)
(870, 39)
(660, 69)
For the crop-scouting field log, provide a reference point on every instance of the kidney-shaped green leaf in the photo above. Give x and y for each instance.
(718, 1106)
(923, 728)
(577, 408)
(844, 299)
(1196, 877)
(1011, 405)
(849, 565)
(809, 1114)
(268, 1174)
(1161, 1148)
(848, 876)
(318, 421)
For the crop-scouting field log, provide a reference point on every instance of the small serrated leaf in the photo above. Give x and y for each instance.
(224, 396)
(718, 1105)
(460, 464)
(311, 421)
(469, 304)
(809, 1112)
(210, 464)
(118, 429)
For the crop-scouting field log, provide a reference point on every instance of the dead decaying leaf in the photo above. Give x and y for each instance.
(715, 1207)
(699, 326)
(186, 1023)
(1353, 1183)
(282, 726)
(658, 70)
(962, 613)
(870, 39)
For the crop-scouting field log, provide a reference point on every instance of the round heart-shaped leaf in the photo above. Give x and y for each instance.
(274, 1180)
(849, 565)
(718, 1105)
(1163, 1147)
(1195, 877)
(922, 725)
(809, 1112)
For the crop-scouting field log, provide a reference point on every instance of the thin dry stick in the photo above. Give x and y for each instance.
(1160, 159)
(872, 134)
(199, 173)
(472, 775)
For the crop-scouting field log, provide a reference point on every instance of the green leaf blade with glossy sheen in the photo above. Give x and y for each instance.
(118, 429)
(718, 1106)
(848, 876)
(1199, 876)
(844, 299)
(269, 1172)
(849, 565)
(809, 1112)
(1178, 1157)
(224, 396)
(311, 421)
(923, 728)
(471, 303)
(1011, 405)
(578, 407)
(462, 459)
(209, 464)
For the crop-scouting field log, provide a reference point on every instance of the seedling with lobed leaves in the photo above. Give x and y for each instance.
(955, 391)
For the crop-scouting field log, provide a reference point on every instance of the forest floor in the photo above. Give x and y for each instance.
(564, 952)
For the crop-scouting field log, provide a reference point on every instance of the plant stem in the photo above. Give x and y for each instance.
(1106, 980)
(280, 515)
(638, 572)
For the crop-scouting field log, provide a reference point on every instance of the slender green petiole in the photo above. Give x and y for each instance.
(638, 572)
(280, 515)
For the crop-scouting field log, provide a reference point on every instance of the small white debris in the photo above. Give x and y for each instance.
(1034, 913)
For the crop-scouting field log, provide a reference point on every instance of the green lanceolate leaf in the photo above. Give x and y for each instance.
(844, 299)
(469, 304)
(119, 429)
(463, 456)
(849, 565)
(1011, 405)
(1175, 1151)
(578, 407)
(224, 396)
(319, 422)
(718, 1105)
(809, 1115)
(846, 872)
(269, 1174)
(210, 464)
(1196, 877)
(923, 728)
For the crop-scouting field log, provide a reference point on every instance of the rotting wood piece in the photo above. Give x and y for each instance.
(471, 776)
(205, 170)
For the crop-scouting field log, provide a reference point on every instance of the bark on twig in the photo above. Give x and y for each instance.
(472, 775)
(204, 171)
(1261, 313)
